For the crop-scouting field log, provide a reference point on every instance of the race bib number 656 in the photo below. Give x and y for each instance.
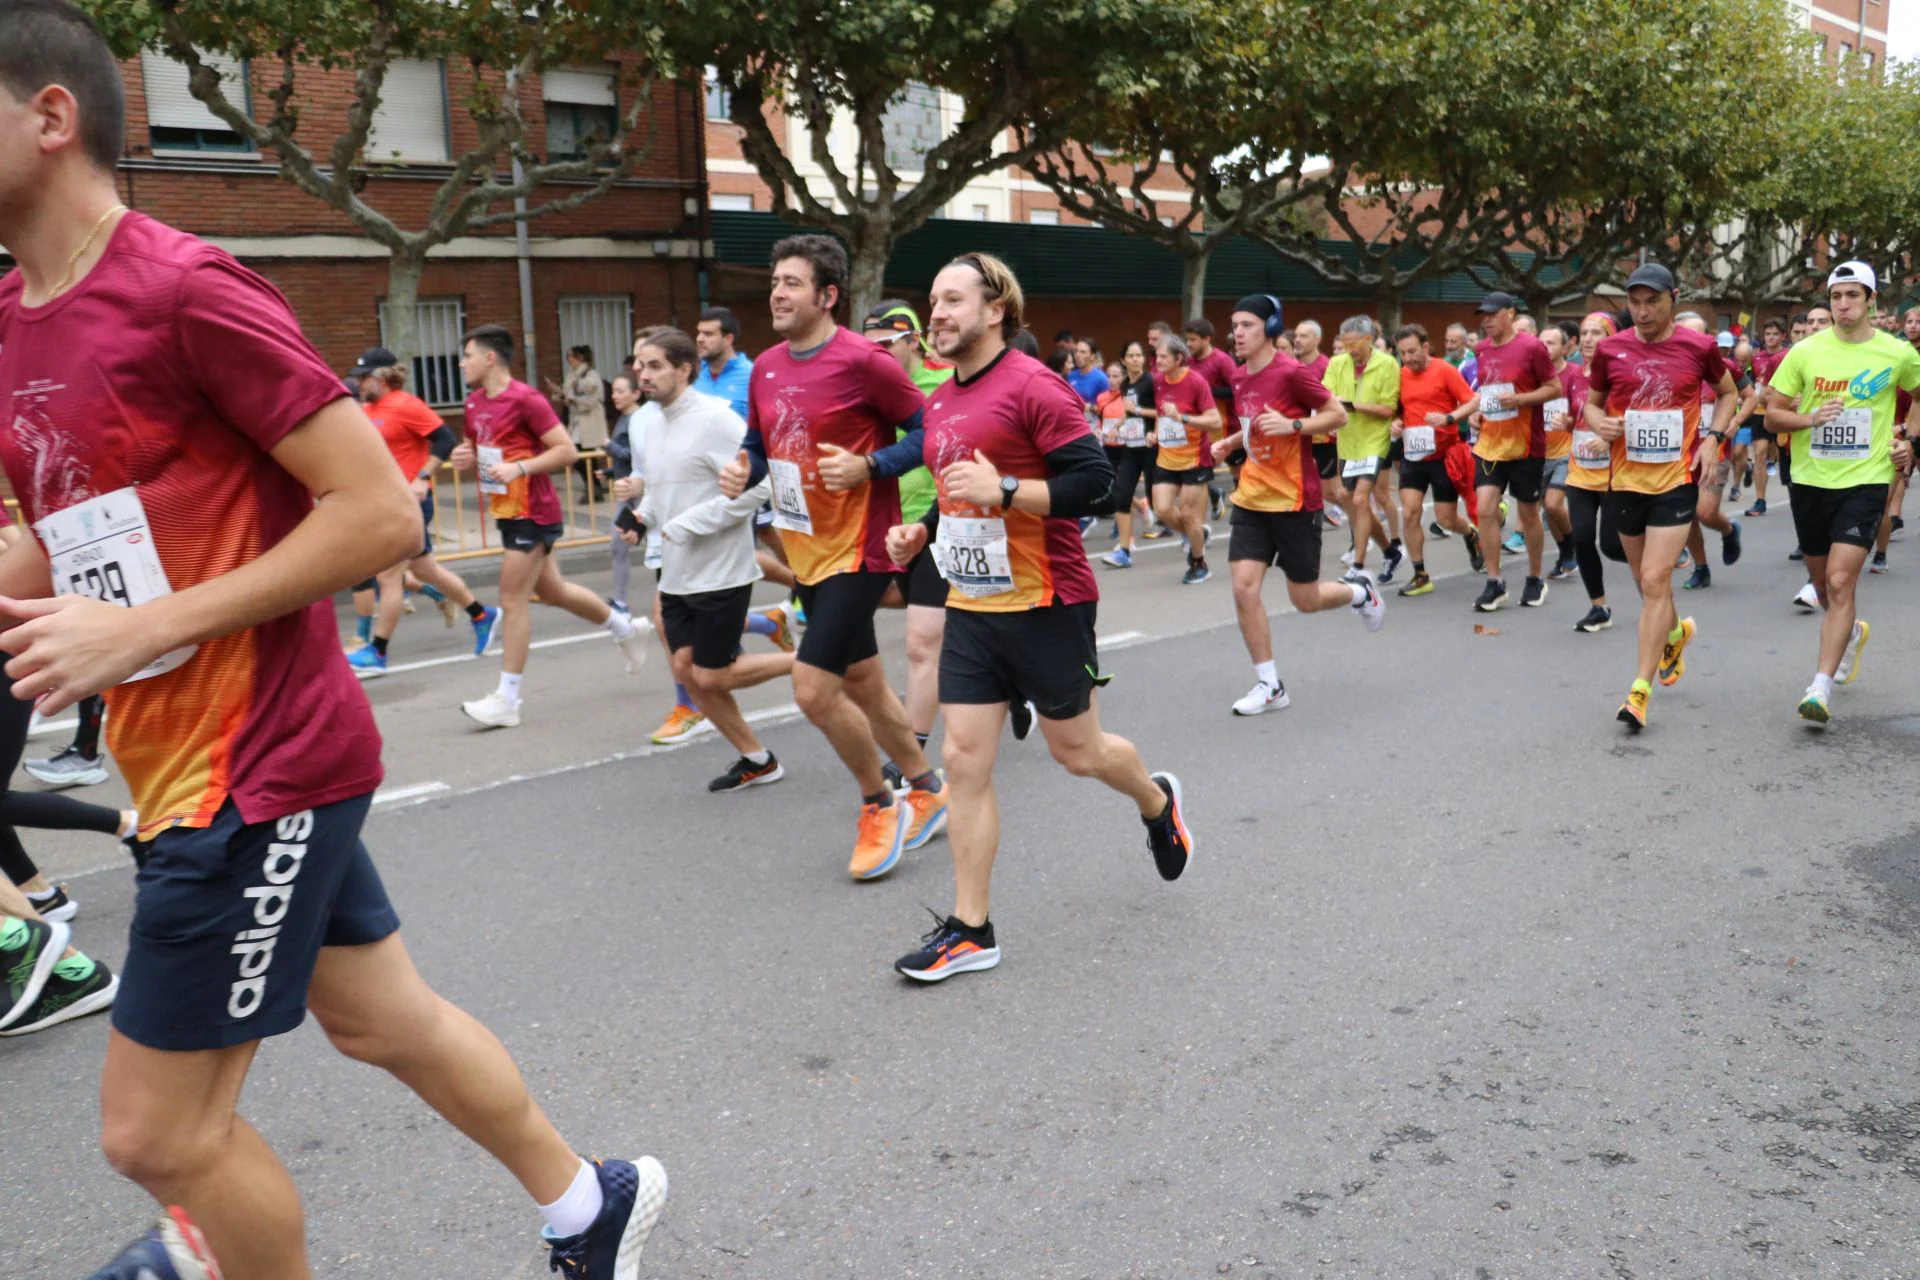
(104, 548)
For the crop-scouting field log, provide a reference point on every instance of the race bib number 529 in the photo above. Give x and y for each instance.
(104, 548)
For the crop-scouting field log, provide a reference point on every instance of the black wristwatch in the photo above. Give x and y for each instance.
(1009, 485)
(1299, 426)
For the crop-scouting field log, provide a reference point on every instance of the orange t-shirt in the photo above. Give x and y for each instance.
(405, 422)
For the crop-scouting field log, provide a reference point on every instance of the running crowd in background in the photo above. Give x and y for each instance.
(941, 468)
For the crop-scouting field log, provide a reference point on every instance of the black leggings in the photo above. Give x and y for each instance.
(32, 808)
(1594, 535)
(1129, 465)
(86, 737)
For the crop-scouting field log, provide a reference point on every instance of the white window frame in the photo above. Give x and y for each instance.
(410, 138)
(717, 95)
(170, 103)
(1044, 217)
(730, 202)
(439, 331)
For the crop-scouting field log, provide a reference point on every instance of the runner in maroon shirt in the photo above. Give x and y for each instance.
(1017, 466)
(1773, 349)
(1516, 379)
(214, 515)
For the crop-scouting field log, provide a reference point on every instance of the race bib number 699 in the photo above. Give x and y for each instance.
(104, 548)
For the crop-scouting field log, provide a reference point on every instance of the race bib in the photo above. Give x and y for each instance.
(104, 548)
(1590, 451)
(1417, 443)
(789, 497)
(1173, 433)
(1553, 407)
(1489, 410)
(490, 456)
(1351, 467)
(1655, 435)
(1848, 438)
(971, 553)
(1133, 432)
(651, 559)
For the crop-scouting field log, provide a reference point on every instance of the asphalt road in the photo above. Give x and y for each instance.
(1463, 981)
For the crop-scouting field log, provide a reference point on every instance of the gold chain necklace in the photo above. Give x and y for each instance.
(66, 279)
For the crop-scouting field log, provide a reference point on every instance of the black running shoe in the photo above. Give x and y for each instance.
(745, 773)
(1021, 713)
(1438, 530)
(1597, 619)
(896, 780)
(77, 987)
(1167, 835)
(1562, 570)
(1475, 556)
(1534, 594)
(948, 948)
(1492, 596)
(1796, 554)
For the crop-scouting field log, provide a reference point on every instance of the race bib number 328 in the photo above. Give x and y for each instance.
(104, 548)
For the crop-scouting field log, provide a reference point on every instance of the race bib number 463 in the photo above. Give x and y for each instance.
(104, 548)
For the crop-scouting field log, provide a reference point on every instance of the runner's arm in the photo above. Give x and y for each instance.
(903, 455)
(363, 520)
(1784, 419)
(24, 571)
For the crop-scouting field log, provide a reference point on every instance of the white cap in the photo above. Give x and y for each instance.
(1855, 272)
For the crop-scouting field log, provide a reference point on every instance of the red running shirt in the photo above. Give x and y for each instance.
(405, 422)
(513, 423)
(172, 369)
(1651, 384)
(1279, 474)
(1522, 364)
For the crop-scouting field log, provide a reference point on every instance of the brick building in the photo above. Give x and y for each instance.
(1846, 28)
(631, 256)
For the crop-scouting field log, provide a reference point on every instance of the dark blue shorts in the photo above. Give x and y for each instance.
(426, 522)
(228, 920)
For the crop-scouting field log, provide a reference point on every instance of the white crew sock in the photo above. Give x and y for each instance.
(575, 1211)
(619, 624)
(1823, 685)
(1267, 674)
(759, 757)
(509, 686)
(1359, 592)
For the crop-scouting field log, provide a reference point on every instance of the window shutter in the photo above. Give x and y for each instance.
(411, 121)
(579, 88)
(171, 104)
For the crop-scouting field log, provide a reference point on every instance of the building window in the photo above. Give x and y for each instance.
(1846, 51)
(1820, 47)
(438, 326)
(410, 124)
(911, 128)
(582, 108)
(178, 121)
(980, 213)
(730, 202)
(1866, 59)
(603, 321)
(1044, 217)
(719, 97)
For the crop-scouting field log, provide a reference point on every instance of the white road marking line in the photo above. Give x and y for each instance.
(43, 727)
(394, 795)
(424, 663)
(1119, 638)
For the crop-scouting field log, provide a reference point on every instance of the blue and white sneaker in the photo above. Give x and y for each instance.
(174, 1250)
(367, 661)
(1118, 558)
(483, 629)
(1514, 543)
(610, 1248)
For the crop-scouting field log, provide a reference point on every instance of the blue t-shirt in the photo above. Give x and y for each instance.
(1090, 385)
(735, 376)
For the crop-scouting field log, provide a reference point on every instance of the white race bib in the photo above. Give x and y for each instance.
(1133, 432)
(1489, 410)
(971, 553)
(1352, 467)
(1418, 443)
(490, 456)
(1848, 438)
(789, 497)
(1552, 407)
(104, 548)
(1590, 452)
(1655, 435)
(1173, 433)
(651, 559)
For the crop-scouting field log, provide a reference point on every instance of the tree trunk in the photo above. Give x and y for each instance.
(1539, 302)
(1386, 301)
(871, 243)
(403, 297)
(1193, 279)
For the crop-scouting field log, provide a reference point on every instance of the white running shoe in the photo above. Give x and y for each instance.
(1346, 557)
(1372, 610)
(68, 768)
(1262, 697)
(494, 711)
(1850, 656)
(635, 646)
(1807, 598)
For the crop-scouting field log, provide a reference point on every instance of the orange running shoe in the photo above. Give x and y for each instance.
(929, 814)
(882, 833)
(1673, 657)
(1633, 712)
(782, 636)
(681, 724)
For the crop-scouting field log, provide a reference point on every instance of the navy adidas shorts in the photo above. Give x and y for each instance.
(228, 920)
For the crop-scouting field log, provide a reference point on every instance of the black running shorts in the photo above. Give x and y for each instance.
(1634, 513)
(708, 622)
(840, 613)
(1046, 656)
(1290, 539)
(1426, 474)
(1822, 517)
(1521, 477)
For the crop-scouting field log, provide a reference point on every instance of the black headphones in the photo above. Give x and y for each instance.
(1275, 325)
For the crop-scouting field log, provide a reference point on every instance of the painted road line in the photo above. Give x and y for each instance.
(1119, 638)
(451, 658)
(397, 795)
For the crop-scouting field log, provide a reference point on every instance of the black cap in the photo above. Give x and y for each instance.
(1652, 275)
(1264, 305)
(373, 358)
(1497, 301)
